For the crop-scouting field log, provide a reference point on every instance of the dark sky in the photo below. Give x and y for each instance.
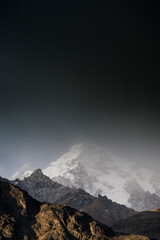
(78, 70)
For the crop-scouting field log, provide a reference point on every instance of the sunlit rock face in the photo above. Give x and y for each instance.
(22, 217)
(97, 171)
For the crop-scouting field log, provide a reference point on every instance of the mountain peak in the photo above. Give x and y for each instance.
(37, 173)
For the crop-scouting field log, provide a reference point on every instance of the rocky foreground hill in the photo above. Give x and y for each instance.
(23, 218)
(42, 188)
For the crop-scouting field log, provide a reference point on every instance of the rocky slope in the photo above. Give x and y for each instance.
(42, 188)
(145, 223)
(4, 180)
(23, 218)
(97, 171)
(100, 208)
(106, 211)
(139, 199)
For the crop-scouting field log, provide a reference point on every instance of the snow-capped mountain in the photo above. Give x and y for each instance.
(97, 171)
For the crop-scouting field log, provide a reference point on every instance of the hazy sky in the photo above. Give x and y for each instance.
(78, 70)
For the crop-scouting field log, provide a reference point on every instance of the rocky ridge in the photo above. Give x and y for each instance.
(100, 208)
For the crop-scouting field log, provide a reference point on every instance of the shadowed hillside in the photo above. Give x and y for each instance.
(145, 223)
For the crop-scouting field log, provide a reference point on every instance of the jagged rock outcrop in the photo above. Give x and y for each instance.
(100, 208)
(139, 199)
(155, 181)
(144, 201)
(145, 223)
(42, 188)
(17, 209)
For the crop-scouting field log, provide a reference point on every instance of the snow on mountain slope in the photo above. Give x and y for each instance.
(25, 171)
(97, 171)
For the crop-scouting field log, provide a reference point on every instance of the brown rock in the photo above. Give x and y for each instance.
(23, 218)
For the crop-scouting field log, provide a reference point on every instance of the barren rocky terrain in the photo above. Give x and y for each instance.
(23, 218)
